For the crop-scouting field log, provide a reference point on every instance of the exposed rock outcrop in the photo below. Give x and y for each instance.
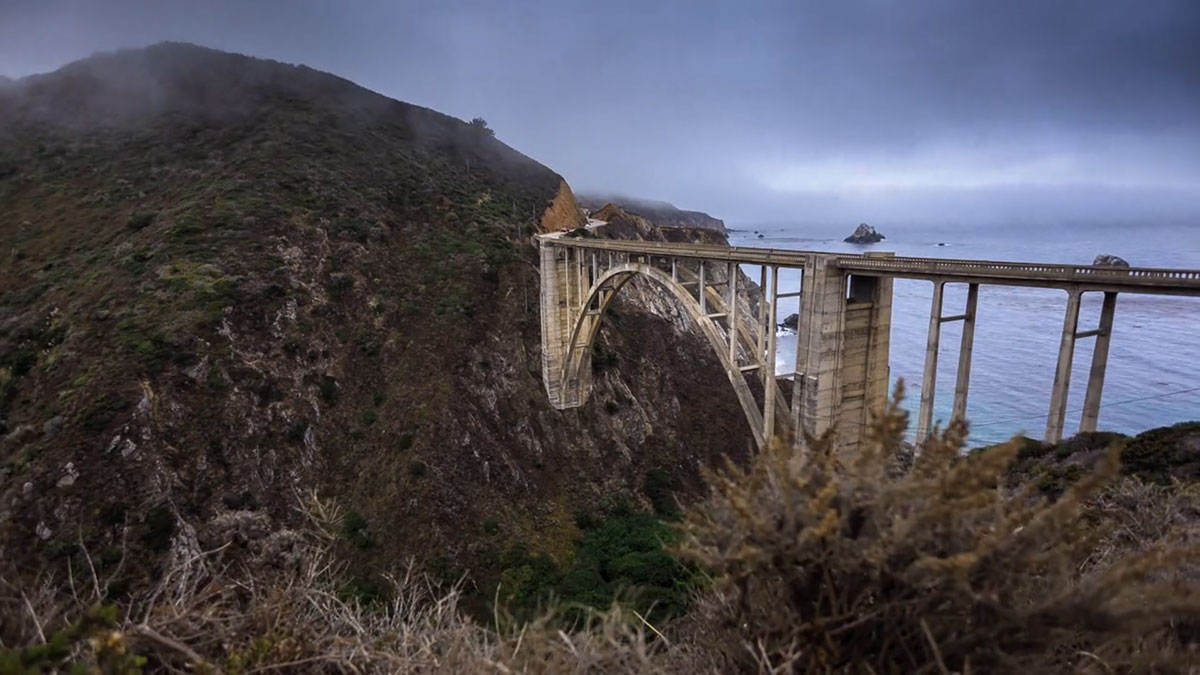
(621, 224)
(563, 213)
(864, 234)
(792, 322)
(1107, 260)
(663, 214)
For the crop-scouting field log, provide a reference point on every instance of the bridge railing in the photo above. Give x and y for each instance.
(1186, 280)
(738, 254)
(1048, 271)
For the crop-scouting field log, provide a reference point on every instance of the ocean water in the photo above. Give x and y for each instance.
(1153, 376)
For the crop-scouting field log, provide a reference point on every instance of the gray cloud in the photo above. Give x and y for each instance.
(754, 110)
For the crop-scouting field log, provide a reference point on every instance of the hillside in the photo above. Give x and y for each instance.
(226, 281)
(660, 213)
(622, 224)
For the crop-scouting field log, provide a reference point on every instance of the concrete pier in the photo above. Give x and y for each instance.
(965, 351)
(1062, 372)
(1091, 401)
(929, 379)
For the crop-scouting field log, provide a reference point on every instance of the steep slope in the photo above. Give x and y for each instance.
(621, 224)
(661, 213)
(226, 279)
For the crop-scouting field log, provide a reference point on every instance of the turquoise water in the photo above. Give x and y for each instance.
(1153, 376)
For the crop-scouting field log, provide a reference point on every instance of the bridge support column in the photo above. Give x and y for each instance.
(731, 307)
(964, 354)
(929, 380)
(1062, 373)
(769, 359)
(1091, 401)
(563, 274)
(841, 351)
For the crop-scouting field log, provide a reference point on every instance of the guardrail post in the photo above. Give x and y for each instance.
(1062, 373)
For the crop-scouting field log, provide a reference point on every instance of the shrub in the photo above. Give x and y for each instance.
(305, 617)
(328, 389)
(406, 439)
(296, 430)
(140, 220)
(480, 126)
(356, 530)
(22, 361)
(660, 487)
(621, 557)
(602, 359)
(215, 379)
(158, 529)
(838, 563)
(100, 413)
(1159, 454)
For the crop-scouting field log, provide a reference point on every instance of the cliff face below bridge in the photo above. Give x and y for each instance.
(227, 280)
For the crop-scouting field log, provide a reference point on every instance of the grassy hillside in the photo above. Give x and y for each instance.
(224, 280)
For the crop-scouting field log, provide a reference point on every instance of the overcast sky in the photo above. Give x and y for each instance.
(754, 111)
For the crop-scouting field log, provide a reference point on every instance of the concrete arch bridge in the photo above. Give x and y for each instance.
(845, 307)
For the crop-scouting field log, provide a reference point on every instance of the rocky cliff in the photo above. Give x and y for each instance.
(622, 224)
(563, 213)
(225, 280)
(660, 213)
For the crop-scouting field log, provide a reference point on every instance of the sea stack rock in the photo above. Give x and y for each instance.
(865, 234)
(1106, 260)
(792, 322)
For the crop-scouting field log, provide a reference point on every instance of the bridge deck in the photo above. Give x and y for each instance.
(1125, 279)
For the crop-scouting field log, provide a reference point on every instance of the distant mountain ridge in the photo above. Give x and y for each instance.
(658, 212)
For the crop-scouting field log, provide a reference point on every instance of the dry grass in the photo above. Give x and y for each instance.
(873, 563)
(203, 617)
(842, 564)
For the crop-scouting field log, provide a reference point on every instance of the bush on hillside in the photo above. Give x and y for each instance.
(836, 563)
(820, 562)
(295, 615)
(480, 125)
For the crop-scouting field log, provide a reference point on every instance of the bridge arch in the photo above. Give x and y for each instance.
(600, 295)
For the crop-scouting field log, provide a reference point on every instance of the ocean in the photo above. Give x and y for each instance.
(1153, 376)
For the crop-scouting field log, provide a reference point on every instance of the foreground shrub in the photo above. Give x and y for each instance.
(842, 563)
(878, 562)
(620, 557)
(206, 615)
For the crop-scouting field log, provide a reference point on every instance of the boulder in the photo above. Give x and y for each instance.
(1106, 260)
(864, 234)
(792, 322)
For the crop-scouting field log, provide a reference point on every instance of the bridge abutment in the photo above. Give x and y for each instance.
(843, 340)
